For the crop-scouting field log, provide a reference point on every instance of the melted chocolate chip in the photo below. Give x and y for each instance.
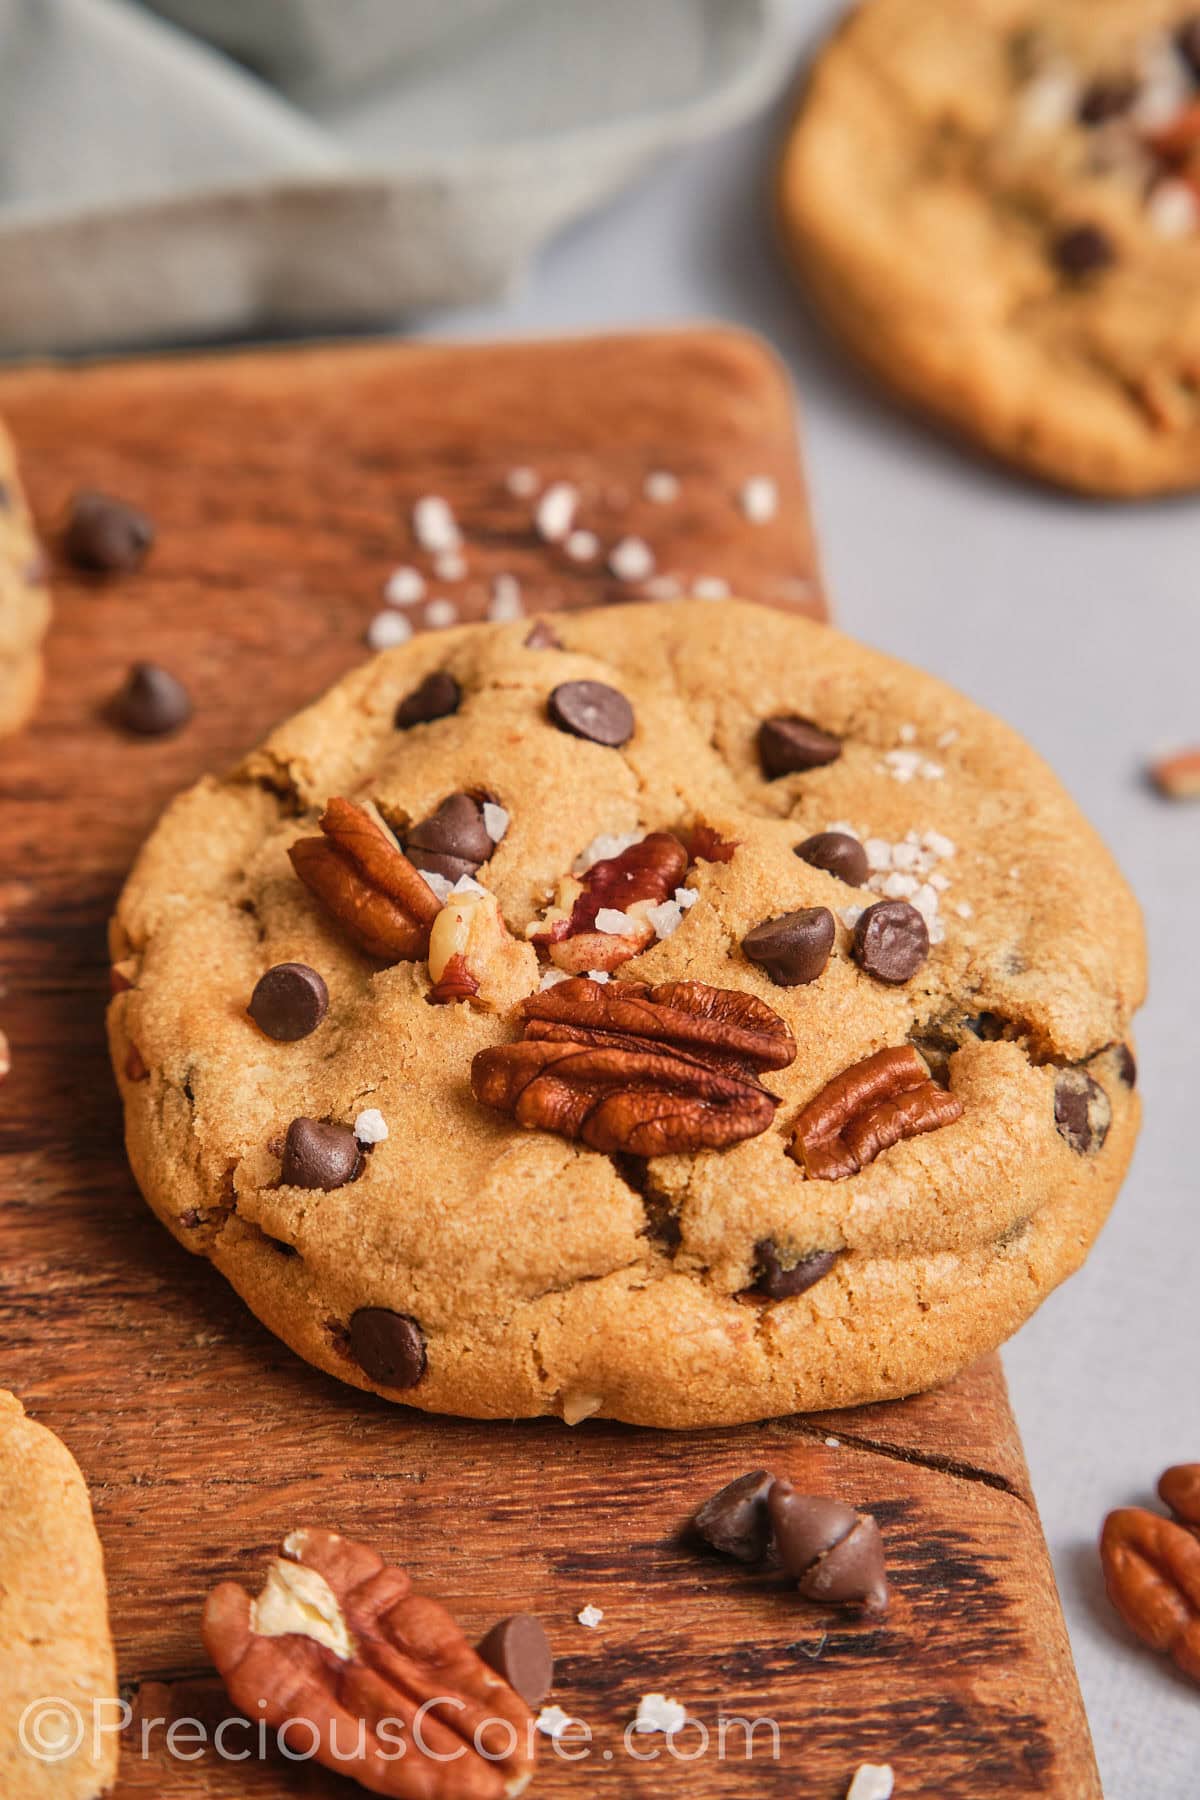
(787, 744)
(318, 1154)
(1108, 97)
(735, 1520)
(436, 697)
(794, 948)
(891, 941)
(838, 854)
(592, 710)
(1083, 250)
(542, 636)
(151, 702)
(1126, 1061)
(289, 1002)
(1082, 1111)
(106, 536)
(519, 1651)
(779, 1279)
(389, 1347)
(453, 841)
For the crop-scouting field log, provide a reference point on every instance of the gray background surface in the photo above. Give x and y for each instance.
(1081, 625)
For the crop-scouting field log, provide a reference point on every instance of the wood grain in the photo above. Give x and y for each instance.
(282, 486)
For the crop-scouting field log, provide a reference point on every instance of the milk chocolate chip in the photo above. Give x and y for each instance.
(794, 948)
(319, 1154)
(735, 1520)
(519, 1651)
(838, 854)
(389, 1347)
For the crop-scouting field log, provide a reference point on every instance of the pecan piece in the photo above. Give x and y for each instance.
(473, 956)
(651, 1071)
(629, 885)
(868, 1108)
(367, 884)
(339, 1648)
(1152, 1572)
(1179, 1488)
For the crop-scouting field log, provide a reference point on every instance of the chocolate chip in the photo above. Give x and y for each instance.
(779, 1279)
(591, 710)
(1083, 250)
(542, 636)
(318, 1154)
(289, 1001)
(834, 1554)
(891, 941)
(437, 697)
(453, 841)
(1187, 42)
(1082, 1111)
(735, 1520)
(787, 744)
(1108, 97)
(106, 536)
(519, 1651)
(151, 702)
(1126, 1061)
(388, 1346)
(838, 854)
(794, 948)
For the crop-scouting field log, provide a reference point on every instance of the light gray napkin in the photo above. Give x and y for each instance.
(187, 168)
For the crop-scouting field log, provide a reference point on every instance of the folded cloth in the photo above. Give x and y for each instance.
(179, 169)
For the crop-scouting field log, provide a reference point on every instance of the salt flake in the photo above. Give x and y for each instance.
(590, 1616)
(434, 525)
(370, 1127)
(656, 1713)
(387, 630)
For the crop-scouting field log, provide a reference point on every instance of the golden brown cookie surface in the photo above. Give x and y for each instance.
(500, 1242)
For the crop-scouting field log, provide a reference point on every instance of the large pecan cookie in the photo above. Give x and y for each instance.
(58, 1704)
(24, 601)
(997, 204)
(692, 1018)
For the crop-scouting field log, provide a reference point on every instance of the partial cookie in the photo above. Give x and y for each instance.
(59, 1673)
(742, 1031)
(996, 203)
(24, 600)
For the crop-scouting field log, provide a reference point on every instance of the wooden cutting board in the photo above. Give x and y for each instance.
(282, 484)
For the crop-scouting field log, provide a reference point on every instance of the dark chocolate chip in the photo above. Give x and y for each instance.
(289, 1001)
(794, 948)
(735, 1520)
(834, 1554)
(1082, 1111)
(838, 854)
(1126, 1061)
(542, 636)
(1083, 250)
(318, 1154)
(779, 1279)
(891, 941)
(1108, 97)
(592, 710)
(787, 744)
(453, 841)
(437, 697)
(388, 1346)
(1187, 42)
(151, 702)
(519, 1651)
(105, 535)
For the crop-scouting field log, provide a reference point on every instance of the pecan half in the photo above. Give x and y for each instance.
(647, 1070)
(339, 1648)
(631, 884)
(367, 884)
(868, 1108)
(1152, 1572)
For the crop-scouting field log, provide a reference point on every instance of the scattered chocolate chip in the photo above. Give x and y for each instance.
(735, 1520)
(834, 1554)
(542, 636)
(151, 702)
(1082, 1111)
(779, 1279)
(794, 948)
(838, 854)
(1187, 42)
(1083, 250)
(319, 1154)
(289, 1001)
(787, 744)
(436, 697)
(1127, 1069)
(106, 536)
(387, 1346)
(1108, 97)
(592, 710)
(453, 841)
(519, 1651)
(891, 941)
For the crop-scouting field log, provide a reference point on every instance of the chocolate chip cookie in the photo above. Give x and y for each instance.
(24, 601)
(700, 1019)
(59, 1674)
(996, 203)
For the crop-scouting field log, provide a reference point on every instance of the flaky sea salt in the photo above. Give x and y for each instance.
(370, 1127)
(710, 587)
(600, 975)
(552, 977)
(613, 923)
(1173, 209)
(522, 483)
(631, 560)
(404, 587)
(604, 846)
(505, 603)
(661, 486)
(451, 565)
(663, 587)
(872, 1781)
(440, 613)
(440, 884)
(760, 499)
(656, 1713)
(552, 1721)
(387, 630)
(555, 513)
(905, 764)
(964, 909)
(590, 1616)
(434, 525)
(495, 820)
(467, 884)
(582, 546)
(850, 915)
